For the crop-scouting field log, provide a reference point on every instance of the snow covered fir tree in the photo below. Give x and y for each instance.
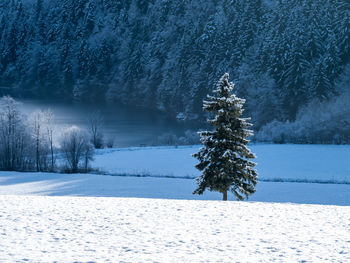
(225, 158)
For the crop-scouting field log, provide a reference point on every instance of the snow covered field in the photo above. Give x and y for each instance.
(90, 229)
(275, 162)
(12, 183)
(101, 218)
(286, 162)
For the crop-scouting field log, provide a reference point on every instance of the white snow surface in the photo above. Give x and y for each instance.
(101, 218)
(98, 229)
(284, 161)
(13, 183)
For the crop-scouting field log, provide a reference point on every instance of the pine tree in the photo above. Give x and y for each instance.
(224, 160)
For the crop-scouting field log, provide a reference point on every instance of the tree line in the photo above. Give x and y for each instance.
(285, 56)
(31, 143)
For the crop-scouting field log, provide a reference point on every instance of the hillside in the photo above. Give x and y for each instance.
(287, 58)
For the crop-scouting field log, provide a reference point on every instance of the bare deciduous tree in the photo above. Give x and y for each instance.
(49, 124)
(15, 140)
(37, 124)
(95, 129)
(76, 147)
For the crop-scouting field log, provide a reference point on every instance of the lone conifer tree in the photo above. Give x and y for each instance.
(224, 160)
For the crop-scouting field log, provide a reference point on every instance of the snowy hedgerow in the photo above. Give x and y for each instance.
(225, 159)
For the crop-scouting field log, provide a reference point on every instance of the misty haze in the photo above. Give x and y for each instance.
(125, 125)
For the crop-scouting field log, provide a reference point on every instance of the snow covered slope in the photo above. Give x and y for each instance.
(275, 162)
(13, 183)
(68, 218)
(90, 229)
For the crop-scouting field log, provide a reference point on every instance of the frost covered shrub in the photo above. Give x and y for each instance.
(167, 139)
(110, 142)
(318, 122)
(274, 131)
(189, 138)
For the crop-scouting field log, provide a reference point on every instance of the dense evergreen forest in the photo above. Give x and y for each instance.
(289, 58)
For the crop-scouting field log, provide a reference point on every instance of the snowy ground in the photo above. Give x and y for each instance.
(90, 229)
(325, 163)
(68, 218)
(13, 183)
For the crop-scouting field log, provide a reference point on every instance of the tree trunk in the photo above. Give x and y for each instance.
(37, 155)
(52, 160)
(224, 196)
